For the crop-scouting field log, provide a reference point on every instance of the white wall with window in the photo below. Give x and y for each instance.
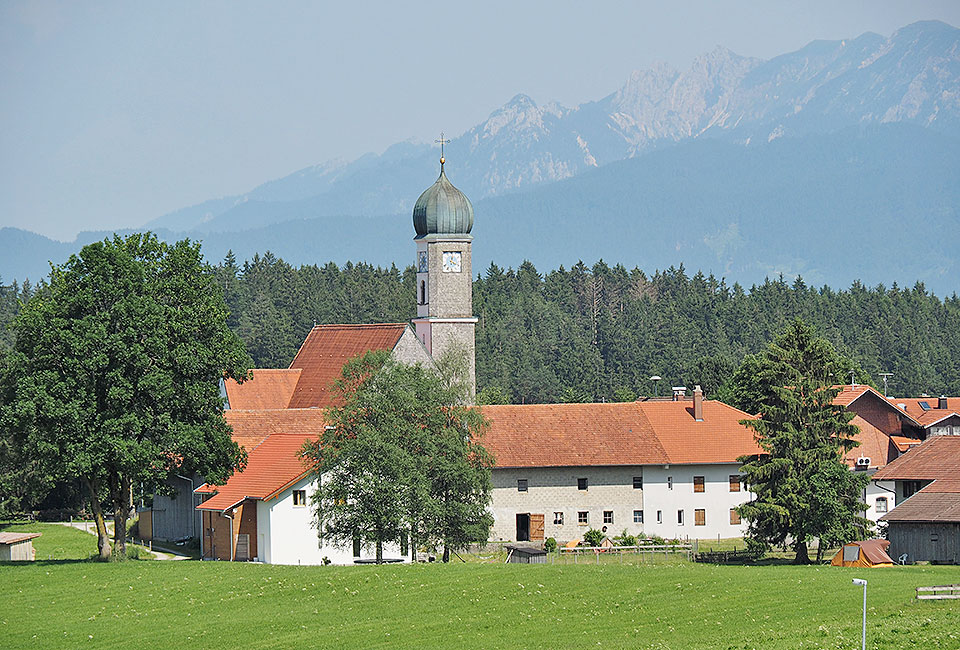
(694, 501)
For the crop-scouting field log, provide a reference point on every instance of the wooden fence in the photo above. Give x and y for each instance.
(942, 592)
(595, 552)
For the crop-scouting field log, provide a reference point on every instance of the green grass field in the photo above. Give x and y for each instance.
(670, 605)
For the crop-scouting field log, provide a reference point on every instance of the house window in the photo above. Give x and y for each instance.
(659, 516)
(679, 517)
(734, 482)
(699, 517)
(608, 516)
(582, 518)
(734, 517)
(669, 482)
(881, 505)
(299, 497)
(558, 518)
(637, 482)
(910, 488)
(581, 484)
(698, 484)
(638, 516)
(521, 485)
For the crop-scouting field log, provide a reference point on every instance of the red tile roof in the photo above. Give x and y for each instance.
(268, 388)
(324, 352)
(849, 394)
(903, 443)
(936, 458)
(567, 435)
(251, 427)
(629, 433)
(927, 417)
(719, 438)
(874, 444)
(272, 466)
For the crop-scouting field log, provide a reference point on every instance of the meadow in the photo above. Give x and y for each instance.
(148, 604)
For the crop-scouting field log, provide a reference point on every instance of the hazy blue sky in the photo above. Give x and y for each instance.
(116, 112)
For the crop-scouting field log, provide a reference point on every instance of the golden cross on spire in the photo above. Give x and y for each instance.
(442, 142)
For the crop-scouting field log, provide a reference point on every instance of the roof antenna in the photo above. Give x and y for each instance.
(442, 142)
(885, 375)
(853, 381)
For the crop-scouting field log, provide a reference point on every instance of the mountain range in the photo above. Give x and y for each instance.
(836, 162)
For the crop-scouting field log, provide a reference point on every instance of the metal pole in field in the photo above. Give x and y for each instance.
(859, 581)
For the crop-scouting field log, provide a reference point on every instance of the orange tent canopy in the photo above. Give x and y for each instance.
(866, 553)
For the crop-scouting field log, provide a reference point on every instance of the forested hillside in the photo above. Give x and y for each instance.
(599, 333)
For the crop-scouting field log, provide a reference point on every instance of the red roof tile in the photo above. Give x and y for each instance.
(874, 444)
(937, 457)
(251, 427)
(929, 416)
(629, 433)
(272, 466)
(719, 438)
(903, 443)
(937, 502)
(268, 388)
(324, 352)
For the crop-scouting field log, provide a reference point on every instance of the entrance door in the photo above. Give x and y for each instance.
(523, 528)
(243, 547)
(536, 528)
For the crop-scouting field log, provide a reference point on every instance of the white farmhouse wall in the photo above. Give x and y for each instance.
(554, 489)
(286, 534)
(669, 489)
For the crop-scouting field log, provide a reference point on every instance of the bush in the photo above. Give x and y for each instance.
(625, 539)
(593, 537)
(550, 545)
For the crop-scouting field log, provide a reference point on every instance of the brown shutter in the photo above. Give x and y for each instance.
(734, 482)
(698, 484)
(699, 517)
(536, 528)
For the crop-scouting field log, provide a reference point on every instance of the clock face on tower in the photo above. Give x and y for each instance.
(422, 262)
(451, 261)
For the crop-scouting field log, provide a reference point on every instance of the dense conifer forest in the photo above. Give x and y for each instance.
(600, 332)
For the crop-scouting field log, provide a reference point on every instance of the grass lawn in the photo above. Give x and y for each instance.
(676, 605)
(59, 542)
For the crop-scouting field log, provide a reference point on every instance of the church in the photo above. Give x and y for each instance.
(665, 467)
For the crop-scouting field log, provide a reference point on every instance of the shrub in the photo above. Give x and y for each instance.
(625, 539)
(593, 537)
(550, 545)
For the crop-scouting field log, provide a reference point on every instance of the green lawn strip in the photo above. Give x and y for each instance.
(210, 604)
(60, 542)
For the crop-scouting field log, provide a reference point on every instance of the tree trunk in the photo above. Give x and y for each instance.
(379, 552)
(121, 512)
(819, 550)
(446, 553)
(103, 541)
(802, 556)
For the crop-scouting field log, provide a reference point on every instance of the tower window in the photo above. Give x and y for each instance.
(423, 292)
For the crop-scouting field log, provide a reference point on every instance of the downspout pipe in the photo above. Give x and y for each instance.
(230, 517)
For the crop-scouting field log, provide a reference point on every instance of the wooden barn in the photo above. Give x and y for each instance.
(17, 547)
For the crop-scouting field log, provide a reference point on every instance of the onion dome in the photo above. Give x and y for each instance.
(442, 209)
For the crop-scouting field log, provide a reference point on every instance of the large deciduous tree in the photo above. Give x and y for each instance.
(802, 490)
(116, 369)
(402, 457)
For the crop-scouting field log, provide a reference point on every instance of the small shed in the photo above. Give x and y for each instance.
(867, 553)
(517, 554)
(17, 547)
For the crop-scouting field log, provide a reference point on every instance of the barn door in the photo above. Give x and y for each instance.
(536, 528)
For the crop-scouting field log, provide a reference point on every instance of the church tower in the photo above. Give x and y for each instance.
(443, 218)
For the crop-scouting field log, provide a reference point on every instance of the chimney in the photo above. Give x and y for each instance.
(942, 402)
(679, 392)
(698, 404)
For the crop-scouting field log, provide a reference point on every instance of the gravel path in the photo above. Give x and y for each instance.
(90, 527)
